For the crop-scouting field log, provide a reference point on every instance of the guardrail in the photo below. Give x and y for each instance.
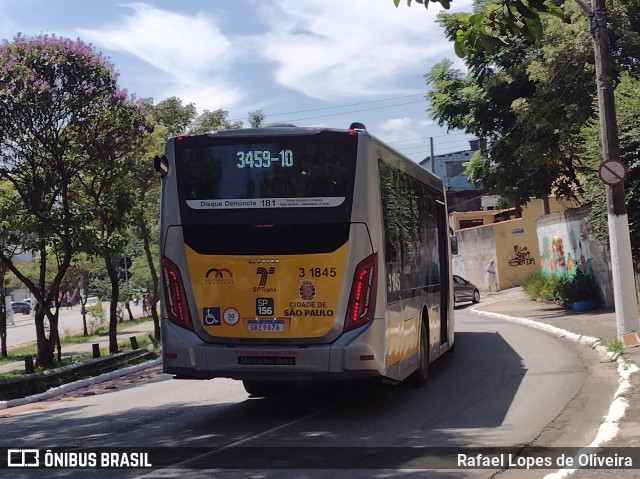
(34, 383)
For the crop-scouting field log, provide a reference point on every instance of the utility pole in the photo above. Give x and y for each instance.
(433, 159)
(624, 291)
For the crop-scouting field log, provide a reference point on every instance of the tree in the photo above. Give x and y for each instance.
(256, 118)
(212, 121)
(528, 100)
(107, 186)
(58, 99)
(499, 100)
(628, 115)
(502, 21)
(175, 117)
(146, 213)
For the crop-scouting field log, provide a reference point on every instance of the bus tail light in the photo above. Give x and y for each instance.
(362, 300)
(175, 299)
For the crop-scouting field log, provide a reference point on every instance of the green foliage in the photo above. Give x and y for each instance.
(542, 287)
(62, 115)
(175, 117)
(576, 287)
(590, 152)
(613, 344)
(527, 100)
(564, 289)
(256, 118)
(486, 31)
(212, 121)
(97, 318)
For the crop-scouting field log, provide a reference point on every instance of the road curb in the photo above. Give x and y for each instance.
(64, 388)
(610, 425)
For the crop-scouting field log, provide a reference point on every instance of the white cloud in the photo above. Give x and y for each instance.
(329, 50)
(400, 133)
(189, 49)
(336, 49)
(394, 124)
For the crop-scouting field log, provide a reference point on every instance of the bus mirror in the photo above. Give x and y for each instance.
(454, 244)
(161, 165)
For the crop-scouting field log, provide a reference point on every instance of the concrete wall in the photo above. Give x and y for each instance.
(565, 243)
(554, 243)
(512, 244)
(517, 252)
(476, 247)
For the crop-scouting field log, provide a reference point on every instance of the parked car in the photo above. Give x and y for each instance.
(91, 300)
(464, 290)
(23, 307)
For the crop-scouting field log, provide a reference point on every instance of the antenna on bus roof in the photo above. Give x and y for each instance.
(278, 125)
(357, 126)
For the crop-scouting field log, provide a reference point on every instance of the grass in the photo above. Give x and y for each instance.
(613, 344)
(19, 353)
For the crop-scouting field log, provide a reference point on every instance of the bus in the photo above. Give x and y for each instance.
(297, 253)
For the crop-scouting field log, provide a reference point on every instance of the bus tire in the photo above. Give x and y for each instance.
(268, 388)
(419, 377)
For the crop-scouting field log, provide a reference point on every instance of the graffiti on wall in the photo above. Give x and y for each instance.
(563, 251)
(520, 256)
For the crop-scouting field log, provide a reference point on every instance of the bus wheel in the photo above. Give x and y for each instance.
(419, 377)
(269, 388)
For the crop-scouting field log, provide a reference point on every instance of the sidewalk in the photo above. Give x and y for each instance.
(141, 329)
(514, 304)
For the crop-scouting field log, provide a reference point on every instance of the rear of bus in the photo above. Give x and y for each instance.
(268, 270)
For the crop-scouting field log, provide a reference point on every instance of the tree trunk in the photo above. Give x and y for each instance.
(3, 312)
(113, 305)
(3, 326)
(46, 334)
(128, 308)
(144, 232)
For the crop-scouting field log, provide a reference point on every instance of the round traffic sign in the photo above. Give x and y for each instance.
(612, 172)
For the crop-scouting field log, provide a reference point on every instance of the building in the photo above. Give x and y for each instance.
(461, 195)
(510, 240)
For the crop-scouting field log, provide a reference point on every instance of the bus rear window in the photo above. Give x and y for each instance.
(280, 173)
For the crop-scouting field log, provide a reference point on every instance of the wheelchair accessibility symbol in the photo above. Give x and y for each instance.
(211, 316)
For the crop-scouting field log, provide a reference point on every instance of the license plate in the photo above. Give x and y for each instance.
(265, 326)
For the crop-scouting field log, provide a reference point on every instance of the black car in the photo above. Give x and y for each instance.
(23, 307)
(464, 290)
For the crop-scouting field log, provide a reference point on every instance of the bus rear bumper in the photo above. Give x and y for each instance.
(186, 356)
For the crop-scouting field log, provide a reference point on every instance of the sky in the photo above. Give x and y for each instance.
(306, 62)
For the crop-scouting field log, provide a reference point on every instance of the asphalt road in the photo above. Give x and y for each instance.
(505, 385)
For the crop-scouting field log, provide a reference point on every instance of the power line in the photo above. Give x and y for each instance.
(355, 111)
(428, 137)
(347, 105)
(270, 115)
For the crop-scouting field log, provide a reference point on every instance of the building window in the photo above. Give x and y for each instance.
(455, 168)
(470, 223)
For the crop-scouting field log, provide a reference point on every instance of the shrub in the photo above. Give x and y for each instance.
(97, 317)
(578, 287)
(540, 287)
(564, 289)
